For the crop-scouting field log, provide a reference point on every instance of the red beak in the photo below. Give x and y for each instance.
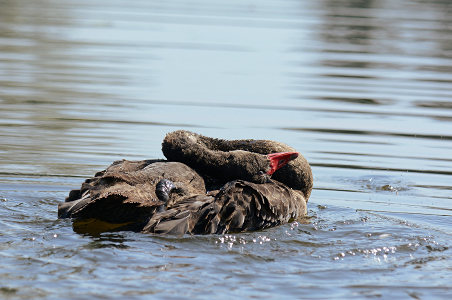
(278, 160)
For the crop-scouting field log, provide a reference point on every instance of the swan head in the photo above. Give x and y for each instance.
(219, 161)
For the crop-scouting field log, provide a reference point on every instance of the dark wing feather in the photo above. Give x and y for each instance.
(181, 218)
(239, 206)
(248, 206)
(125, 191)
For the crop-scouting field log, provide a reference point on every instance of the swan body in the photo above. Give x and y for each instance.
(170, 196)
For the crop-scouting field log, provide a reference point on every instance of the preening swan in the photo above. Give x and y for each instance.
(206, 185)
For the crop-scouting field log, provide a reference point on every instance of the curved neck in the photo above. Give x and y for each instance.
(227, 160)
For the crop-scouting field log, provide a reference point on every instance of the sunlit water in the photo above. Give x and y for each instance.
(362, 88)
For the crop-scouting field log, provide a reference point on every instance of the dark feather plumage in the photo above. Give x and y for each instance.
(125, 196)
(126, 192)
(239, 206)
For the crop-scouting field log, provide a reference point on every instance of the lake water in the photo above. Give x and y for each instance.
(362, 88)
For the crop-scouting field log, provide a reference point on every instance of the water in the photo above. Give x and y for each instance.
(362, 88)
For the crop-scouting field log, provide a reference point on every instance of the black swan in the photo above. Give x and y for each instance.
(171, 196)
